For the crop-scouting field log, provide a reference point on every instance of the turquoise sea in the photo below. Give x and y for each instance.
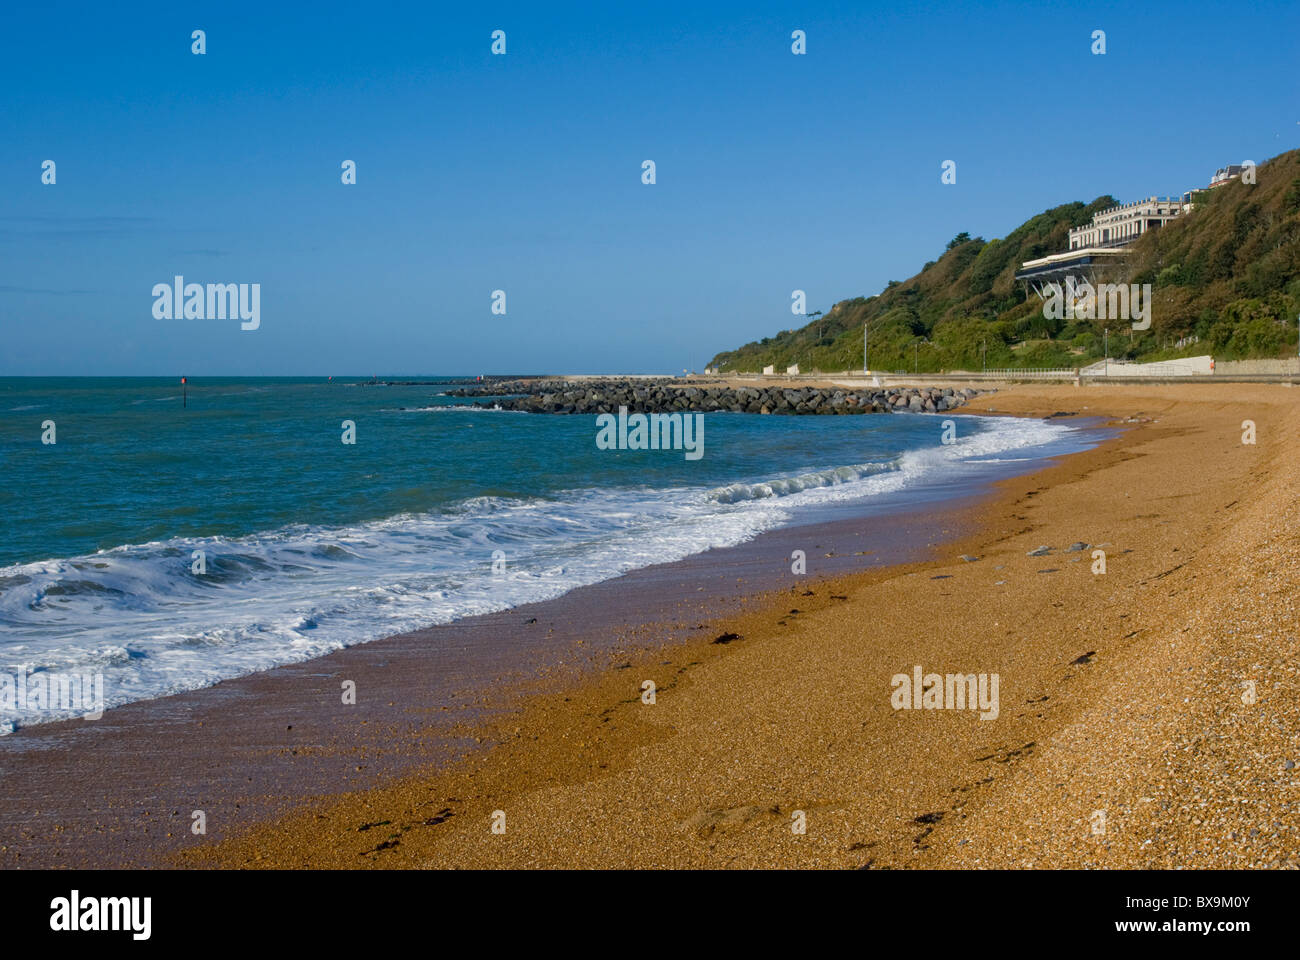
(437, 512)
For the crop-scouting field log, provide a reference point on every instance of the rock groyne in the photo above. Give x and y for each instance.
(669, 396)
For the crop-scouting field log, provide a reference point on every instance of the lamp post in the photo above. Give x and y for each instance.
(865, 368)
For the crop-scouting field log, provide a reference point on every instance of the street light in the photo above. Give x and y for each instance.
(865, 368)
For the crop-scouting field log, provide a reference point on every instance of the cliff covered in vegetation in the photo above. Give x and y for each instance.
(1225, 279)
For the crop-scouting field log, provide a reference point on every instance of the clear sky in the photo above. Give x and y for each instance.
(522, 172)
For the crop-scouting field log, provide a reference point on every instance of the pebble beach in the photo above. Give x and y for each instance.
(1147, 714)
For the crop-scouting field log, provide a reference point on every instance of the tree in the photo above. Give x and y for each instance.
(817, 313)
(958, 240)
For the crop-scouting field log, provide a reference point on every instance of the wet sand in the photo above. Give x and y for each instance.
(1147, 714)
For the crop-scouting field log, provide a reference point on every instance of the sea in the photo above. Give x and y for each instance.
(173, 536)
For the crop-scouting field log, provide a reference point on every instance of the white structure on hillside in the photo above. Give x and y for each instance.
(1120, 226)
(1182, 367)
(1221, 176)
(1099, 245)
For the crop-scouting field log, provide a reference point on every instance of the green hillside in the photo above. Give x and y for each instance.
(1228, 273)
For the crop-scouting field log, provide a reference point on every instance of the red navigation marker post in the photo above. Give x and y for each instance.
(185, 392)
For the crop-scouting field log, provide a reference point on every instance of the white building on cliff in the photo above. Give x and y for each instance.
(1119, 226)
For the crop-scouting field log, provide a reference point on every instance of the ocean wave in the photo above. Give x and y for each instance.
(785, 486)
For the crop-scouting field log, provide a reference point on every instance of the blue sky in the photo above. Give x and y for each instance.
(522, 172)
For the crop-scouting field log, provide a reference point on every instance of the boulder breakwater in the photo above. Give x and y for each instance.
(671, 396)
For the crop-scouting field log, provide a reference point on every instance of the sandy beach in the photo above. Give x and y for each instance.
(1146, 716)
